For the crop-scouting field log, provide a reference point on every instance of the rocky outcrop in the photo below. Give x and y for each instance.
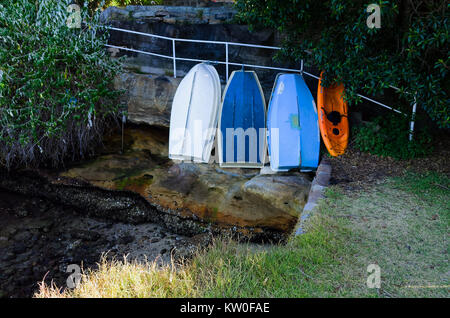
(212, 24)
(170, 14)
(197, 3)
(141, 185)
(231, 199)
(221, 200)
(148, 97)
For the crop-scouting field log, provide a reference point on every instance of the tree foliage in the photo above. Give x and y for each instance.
(409, 51)
(55, 96)
(388, 136)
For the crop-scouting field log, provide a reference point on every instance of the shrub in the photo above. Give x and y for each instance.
(55, 91)
(388, 136)
(409, 51)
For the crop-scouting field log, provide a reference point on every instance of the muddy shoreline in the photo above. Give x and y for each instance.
(123, 206)
(49, 220)
(39, 238)
(45, 226)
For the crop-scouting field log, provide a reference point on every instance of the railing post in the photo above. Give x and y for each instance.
(226, 60)
(174, 59)
(301, 67)
(413, 119)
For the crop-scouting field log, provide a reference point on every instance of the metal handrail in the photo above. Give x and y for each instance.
(193, 40)
(227, 63)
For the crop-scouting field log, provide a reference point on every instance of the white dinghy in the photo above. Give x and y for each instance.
(194, 115)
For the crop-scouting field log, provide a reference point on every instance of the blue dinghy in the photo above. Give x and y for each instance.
(242, 135)
(292, 123)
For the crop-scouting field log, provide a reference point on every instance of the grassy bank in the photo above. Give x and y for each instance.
(401, 224)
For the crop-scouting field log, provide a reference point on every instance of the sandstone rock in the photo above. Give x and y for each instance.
(149, 98)
(113, 13)
(185, 13)
(212, 23)
(170, 20)
(77, 239)
(225, 198)
(150, 140)
(284, 192)
(142, 185)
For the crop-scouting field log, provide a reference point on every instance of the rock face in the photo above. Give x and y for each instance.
(141, 185)
(148, 97)
(170, 14)
(233, 200)
(197, 3)
(211, 24)
(224, 199)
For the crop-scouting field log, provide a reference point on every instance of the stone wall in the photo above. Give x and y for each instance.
(211, 23)
(191, 3)
(148, 97)
(169, 14)
(150, 85)
(197, 3)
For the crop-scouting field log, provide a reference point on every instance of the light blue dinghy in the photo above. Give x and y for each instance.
(242, 117)
(292, 123)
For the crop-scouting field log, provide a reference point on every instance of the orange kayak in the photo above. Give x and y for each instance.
(333, 120)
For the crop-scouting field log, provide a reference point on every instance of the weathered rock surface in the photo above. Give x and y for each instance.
(197, 3)
(148, 97)
(212, 24)
(222, 198)
(170, 14)
(141, 185)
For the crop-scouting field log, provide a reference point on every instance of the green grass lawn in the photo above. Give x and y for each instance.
(401, 224)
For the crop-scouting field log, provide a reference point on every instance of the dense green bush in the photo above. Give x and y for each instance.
(388, 136)
(55, 96)
(409, 51)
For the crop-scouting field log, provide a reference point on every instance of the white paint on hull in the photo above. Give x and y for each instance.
(194, 115)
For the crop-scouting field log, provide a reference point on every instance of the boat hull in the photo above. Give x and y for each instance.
(333, 118)
(242, 138)
(292, 122)
(194, 115)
